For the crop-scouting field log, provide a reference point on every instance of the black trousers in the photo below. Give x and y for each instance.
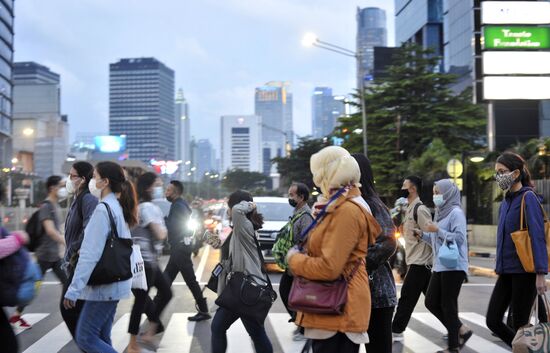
(56, 268)
(338, 343)
(284, 290)
(416, 282)
(442, 301)
(517, 291)
(143, 303)
(70, 316)
(9, 342)
(380, 338)
(180, 262)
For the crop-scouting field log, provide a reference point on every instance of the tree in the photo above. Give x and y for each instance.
(432, 164)
(239, 179)
(295, 167)
(406, 110)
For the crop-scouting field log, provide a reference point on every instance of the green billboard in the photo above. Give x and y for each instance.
(516, 37)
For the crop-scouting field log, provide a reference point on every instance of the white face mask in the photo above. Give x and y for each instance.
(438, 200)
(62, 193)
(93, 189)
(71, 186)
(158, 192)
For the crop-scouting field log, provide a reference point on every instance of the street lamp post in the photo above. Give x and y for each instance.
(311, 39)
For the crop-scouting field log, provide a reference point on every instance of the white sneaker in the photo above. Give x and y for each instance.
(398, 337)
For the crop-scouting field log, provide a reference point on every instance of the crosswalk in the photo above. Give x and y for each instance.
(422, 336)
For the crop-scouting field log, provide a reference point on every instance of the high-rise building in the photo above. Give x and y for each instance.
(371, 32)
(326, 109)
(420, 22)
(6, 86)
(183, 128)
(205, 158)
(273, 103)
(40, 131)
(241, 137)
(141, 106)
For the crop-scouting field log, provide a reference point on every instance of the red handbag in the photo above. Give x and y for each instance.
(320, 297)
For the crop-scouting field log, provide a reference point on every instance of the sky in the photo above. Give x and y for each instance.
(220, 51)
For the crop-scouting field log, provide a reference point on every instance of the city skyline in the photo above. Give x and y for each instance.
(217, 66)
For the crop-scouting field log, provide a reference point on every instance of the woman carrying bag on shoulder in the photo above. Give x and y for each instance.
(243, 258)
(117, 205)
(337, 246)
(515, 287)
(447, 237)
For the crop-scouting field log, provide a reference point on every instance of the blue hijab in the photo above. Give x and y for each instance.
(451, 198)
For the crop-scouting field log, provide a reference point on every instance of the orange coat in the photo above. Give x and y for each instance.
(334, 247)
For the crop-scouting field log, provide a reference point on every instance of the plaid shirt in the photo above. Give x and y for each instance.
(302, 222)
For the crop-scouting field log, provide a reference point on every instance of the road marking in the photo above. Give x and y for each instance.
(417, 343)
(283, 331)
(238, 339)
(476, 343)
(475, 318)
(178, 335)
(54, 340)
(31, 319)
(202, 264)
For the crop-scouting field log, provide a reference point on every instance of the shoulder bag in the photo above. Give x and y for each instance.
(247, 295)
(114, 264)
(448, 254)
(533, 338)
(522, 239)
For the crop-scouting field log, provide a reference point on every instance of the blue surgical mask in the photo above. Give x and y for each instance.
(438, 200)
(158, 192)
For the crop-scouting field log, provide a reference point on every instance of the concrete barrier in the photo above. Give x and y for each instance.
(482, 235)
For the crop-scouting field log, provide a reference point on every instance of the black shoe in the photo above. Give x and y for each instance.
(464, 338)
(200, 316)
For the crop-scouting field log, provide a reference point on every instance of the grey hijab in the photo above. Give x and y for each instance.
(451, 198)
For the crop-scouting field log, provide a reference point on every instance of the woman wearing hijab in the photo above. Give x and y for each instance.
(445, 283)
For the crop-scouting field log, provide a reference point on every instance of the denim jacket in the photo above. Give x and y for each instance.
(95, 237)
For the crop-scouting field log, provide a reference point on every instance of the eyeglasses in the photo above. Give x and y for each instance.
(73, 176)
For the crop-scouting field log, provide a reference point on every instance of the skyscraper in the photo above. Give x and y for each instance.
(183, 128)
(141, 106)
(205, 158)
(6, 62)
(325, 109)
(241, 136)
(273, 103)
(40, 131)
(371, 32)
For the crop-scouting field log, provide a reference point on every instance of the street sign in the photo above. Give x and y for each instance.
(516, 87)
(516, 62)
(459, 183)
(454, 168)
(516, 37)
(515, 12)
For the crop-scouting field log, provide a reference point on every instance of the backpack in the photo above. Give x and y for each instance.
(19, 277)
(415, 212)
(285, 241)
(35, 230)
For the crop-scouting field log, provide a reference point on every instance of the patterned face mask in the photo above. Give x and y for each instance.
(505, 180)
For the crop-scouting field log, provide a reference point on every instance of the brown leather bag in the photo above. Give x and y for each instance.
(320, 297)
(522, 239)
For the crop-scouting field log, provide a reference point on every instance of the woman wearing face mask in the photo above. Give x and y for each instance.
(445, 283)
(110, 186)
(514, 285)
(148, 234)
(78, 217)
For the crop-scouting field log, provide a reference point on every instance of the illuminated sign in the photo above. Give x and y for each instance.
(110, 144)
(516, 37)
(516, 62)
(165, 167)
(516, 87)
(515, 12)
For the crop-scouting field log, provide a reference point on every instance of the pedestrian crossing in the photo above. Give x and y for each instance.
(184, 336)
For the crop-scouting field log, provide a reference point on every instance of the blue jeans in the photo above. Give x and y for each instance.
(222, 322)
(93, 331)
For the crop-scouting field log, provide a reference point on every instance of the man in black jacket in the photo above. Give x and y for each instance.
(180, 238)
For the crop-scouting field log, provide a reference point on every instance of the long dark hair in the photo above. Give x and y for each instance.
(240, 195)
(368, 190)
(119, 184)
(144, 183)
(514, 161)
(86, 171)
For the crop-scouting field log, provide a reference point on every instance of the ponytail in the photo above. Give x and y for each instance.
(119, 184)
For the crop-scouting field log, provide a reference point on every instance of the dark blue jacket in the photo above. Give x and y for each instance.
(177, 221)
(507, 260)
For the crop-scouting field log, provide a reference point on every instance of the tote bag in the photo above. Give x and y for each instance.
(533, 338)
(139, 279)
(522, 239)
(448, 254)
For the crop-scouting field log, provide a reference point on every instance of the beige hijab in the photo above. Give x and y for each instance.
(333, 167)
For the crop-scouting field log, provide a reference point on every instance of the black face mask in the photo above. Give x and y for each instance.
(404, 193)
(292, 202)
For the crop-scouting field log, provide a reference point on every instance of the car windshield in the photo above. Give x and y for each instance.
(275, 211)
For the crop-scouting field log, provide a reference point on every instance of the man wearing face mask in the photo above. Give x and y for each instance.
(418, 255)
(48, 251)
(179, 238)
(298, 195)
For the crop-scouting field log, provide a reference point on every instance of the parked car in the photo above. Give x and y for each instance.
(277, 213)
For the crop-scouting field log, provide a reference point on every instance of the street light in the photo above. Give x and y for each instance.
(28, 131)
(310, 39)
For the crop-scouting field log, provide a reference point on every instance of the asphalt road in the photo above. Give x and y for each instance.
(49, 334)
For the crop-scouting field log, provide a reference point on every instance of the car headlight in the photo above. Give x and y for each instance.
(192, 225)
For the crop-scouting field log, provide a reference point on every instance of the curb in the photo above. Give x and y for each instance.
(482, 271)
(482, 254)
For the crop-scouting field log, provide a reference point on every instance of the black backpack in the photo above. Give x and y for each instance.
(35, 230)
